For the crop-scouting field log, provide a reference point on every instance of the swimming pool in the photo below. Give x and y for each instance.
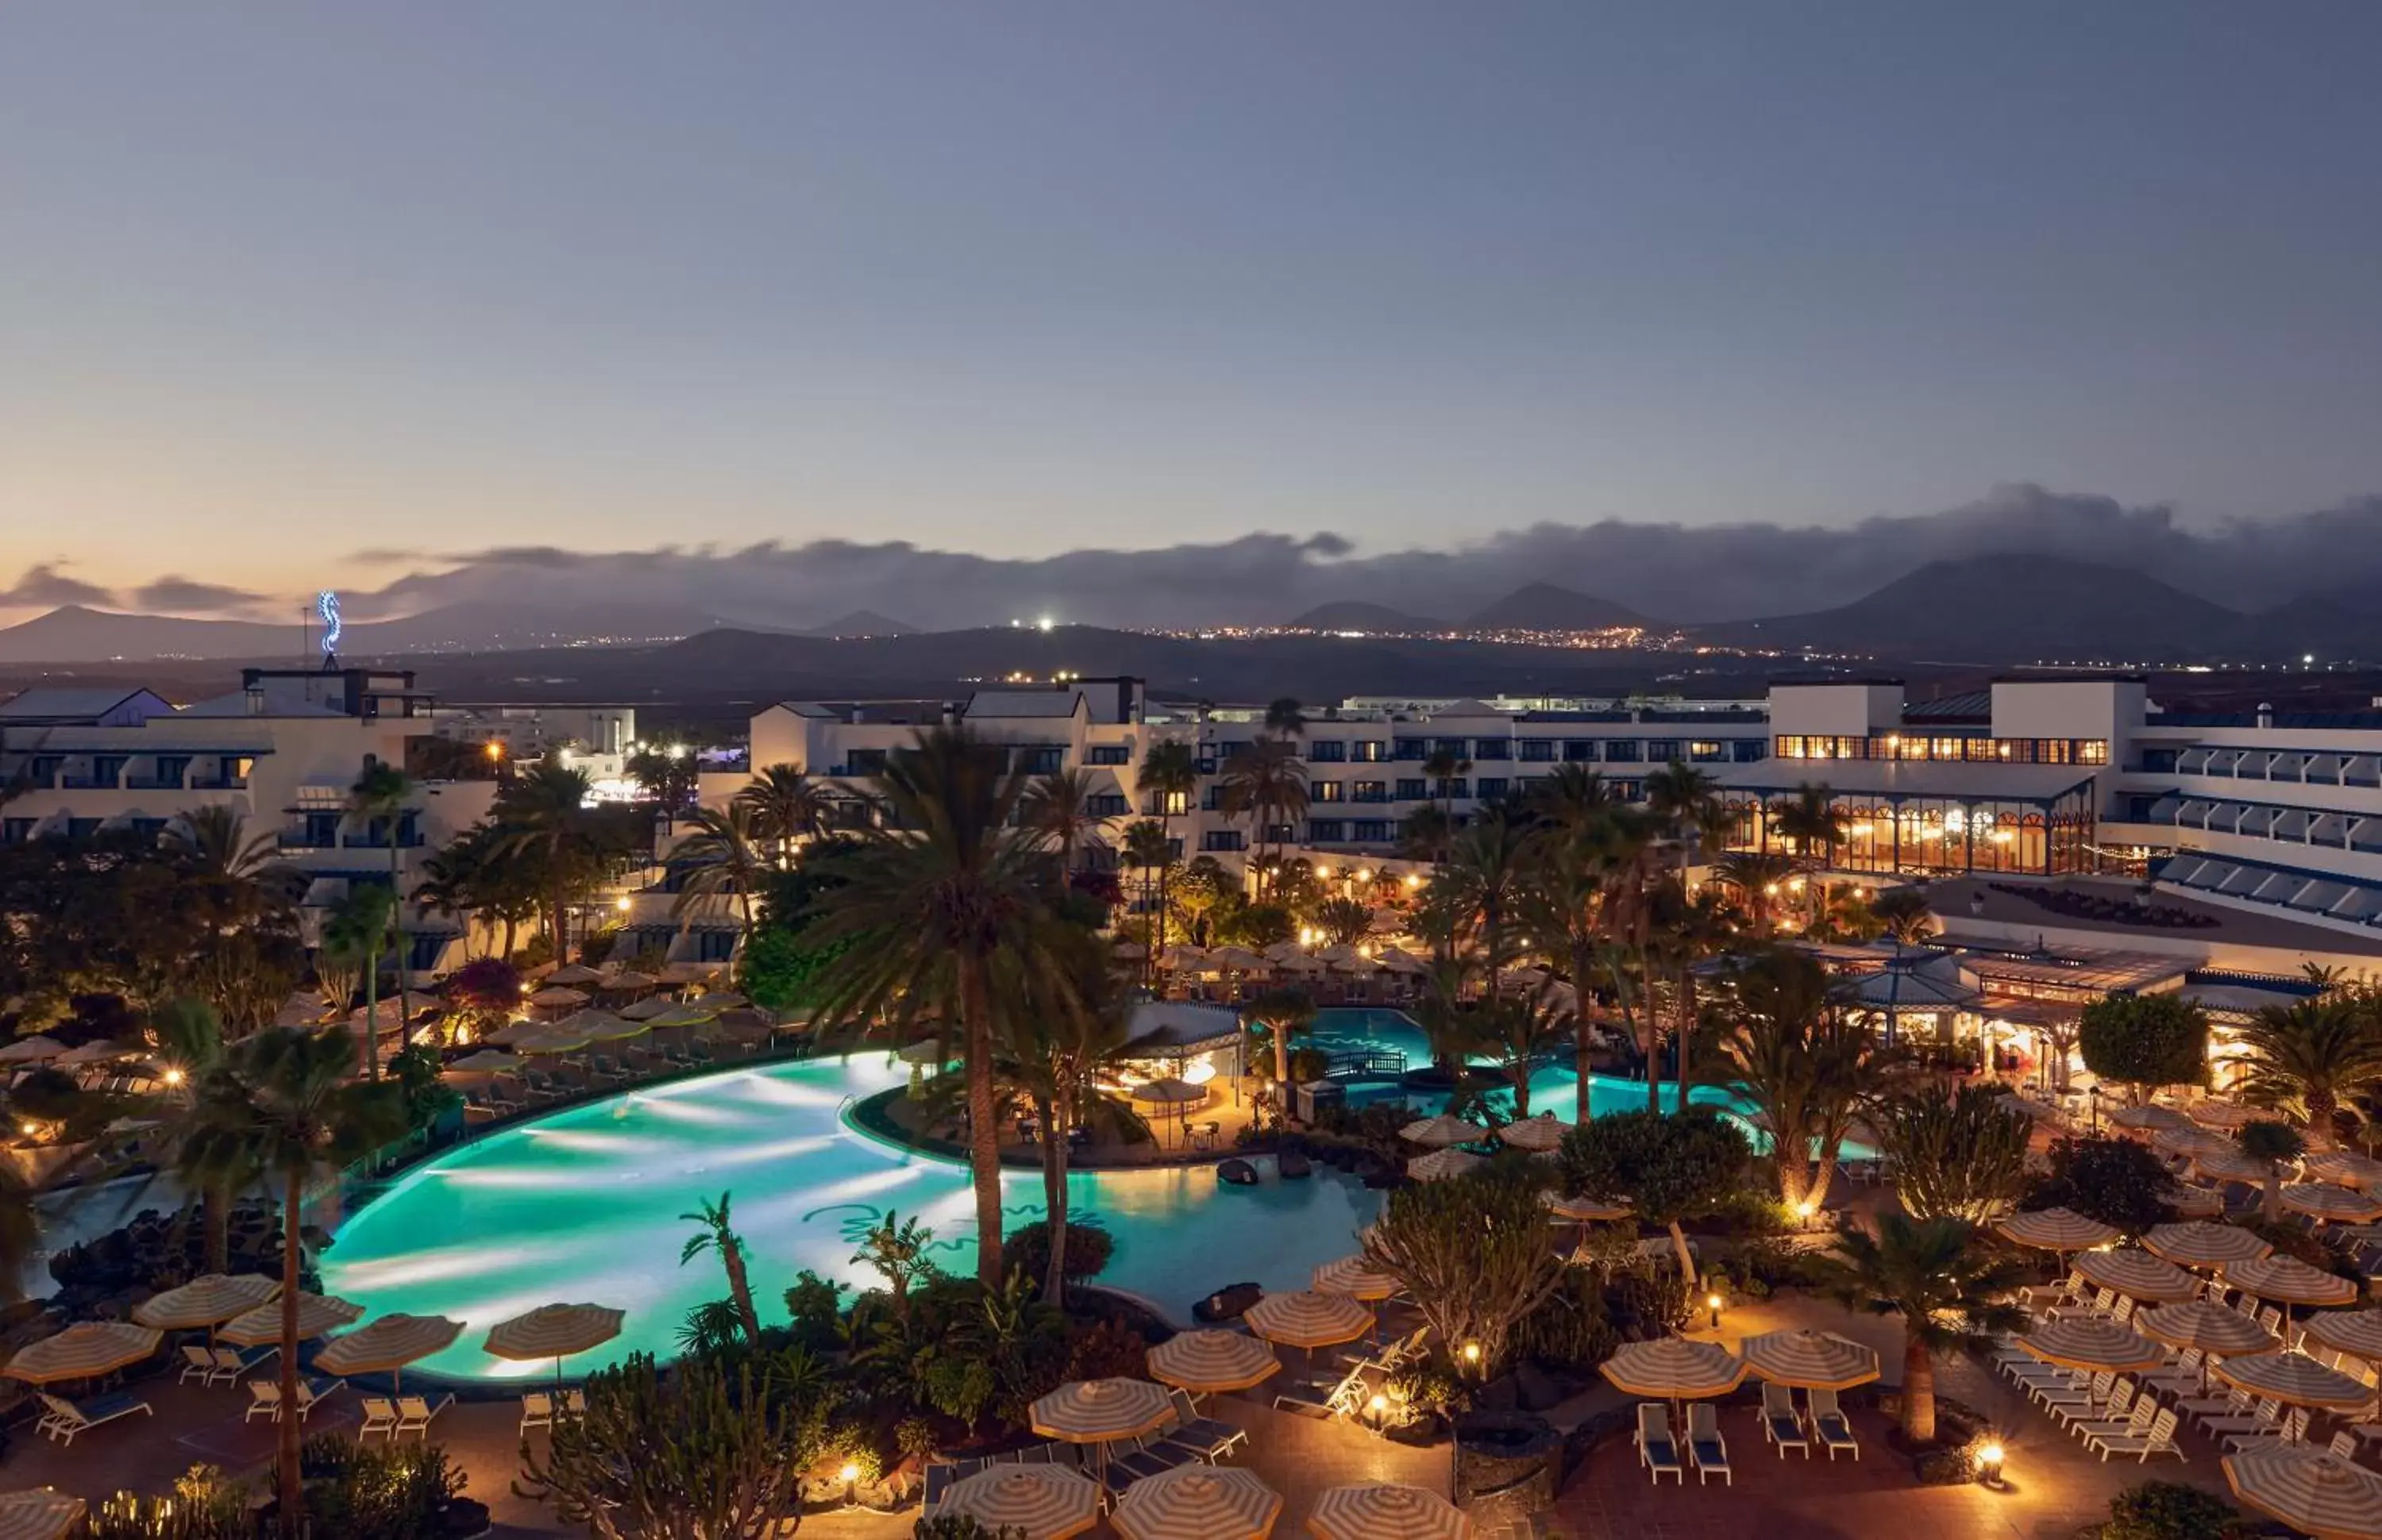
(583, 1205)
(1553, 1088)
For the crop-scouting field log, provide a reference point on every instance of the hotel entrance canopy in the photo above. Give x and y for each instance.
(1924, 817)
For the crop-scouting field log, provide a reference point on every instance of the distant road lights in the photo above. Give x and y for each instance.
(495, 750)
(2307, 660)
(1045, 623)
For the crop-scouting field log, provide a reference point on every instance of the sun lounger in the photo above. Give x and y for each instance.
(2119, 1402)
(1779, 1423)
(380, 1416)
(312, 1390)
(232, 1365)
(1656, 1449)
(1706, 1448)
(1212, 1437)
(1830, 1425)
(413, 1415)
(2092, 1392)
(574, 1403)
(2136, 1423)
(2293, 1429)
(263, 1401)
(197, 1363)
(2159, 1440)
(537, 1411)
(68, 1418)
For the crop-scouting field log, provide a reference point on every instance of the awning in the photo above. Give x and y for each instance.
(2318, 897)
(2291, 823)
(2256, 819)
(2163, 811)
(2243, 879)
(2362, 903)
(2330, 828)
(2194, 812)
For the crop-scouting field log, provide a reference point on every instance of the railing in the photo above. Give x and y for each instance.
(1364, 1064)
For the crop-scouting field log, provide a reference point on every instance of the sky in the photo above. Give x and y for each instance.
(296, 296)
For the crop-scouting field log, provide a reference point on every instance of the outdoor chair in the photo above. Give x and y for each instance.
(413, 1415)
(2272, 1319)
(2160, 1439)
(380, 1416)
(2113, 1408)
(197, 1365)
(68, 1418)
(574, 1403)
(263, 1401)
(1706, 1448)
(1829, 1424)
(537, 1411)
(2264, 1415)
(2343, 1446)
(1214, 1438)
(2091, 1393)
(2225, 1403)
(1779, 1423)
(2184, 1379)
(2291, 1429)
(1340, 1397)
(2135, 1423)
(232, 1365)
(1656, 1449)
(312, 1390)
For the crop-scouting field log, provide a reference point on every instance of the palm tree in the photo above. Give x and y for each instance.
(282, 1107)
(2311, 1058)
(1573, 800)
(1527, 1027)
(1803, 1065)
(937, 892)
(1812, 822)
(1444, 768)
(1563, 908)
(1685, 802)
(378, 796)
(898, 1249)
(1266, 782)
(1904, 914)
(722, 856)
(215, 839)
(1284, 718)
(1287, 1013)
(546, 822)
(1171, 773)
(1757, 877)
(2277, 1144)
(714, 1233)
(1955, 1153)
(1482, 880)
(358, 928)
(1059, 807)
(1694, 929)
(786, 805)
(1950, 1292)
(1639, 886)
(189, 1041)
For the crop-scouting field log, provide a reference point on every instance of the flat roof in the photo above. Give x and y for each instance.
(2099, 970)
(1909, 778)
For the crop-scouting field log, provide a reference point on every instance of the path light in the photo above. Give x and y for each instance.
(1989, 1466)
(1804, 1209)
(850, 1477)
(621, 903)
(173, 1074)
(1472, 1353)
(1379, 1409)
(1711, 1303)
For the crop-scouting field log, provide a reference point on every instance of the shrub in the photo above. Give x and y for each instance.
(203, 1506)
(1573, 1330)
(961, 1526)
(1027, 1250)
(1106, 1349)
(2114, 1180)
(2171, 1510)
(816, 1308)
(2145, 1040)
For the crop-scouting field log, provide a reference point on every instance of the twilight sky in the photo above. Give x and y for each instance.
(281, 283)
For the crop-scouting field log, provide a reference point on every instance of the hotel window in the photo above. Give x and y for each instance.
(1327, 831)
(1627, 790)
(1410, 748)
(1748, 751)
(1282, 834)
(1492, 748)
(1324, 791)
(1457, 788)
(1328, 751)
(1174, 802)
(1704, 751)
(1623, 750)
(1112, 753)
(1662, 750)
(1579, 751)
(865, 761)
(1107, 805)
(1231, 746)
(15, 831)
(1368, 750)
(1221, 839)
(1454, 746)
(1538, 751)
(1369, 791)
(1370, 831)
(1412, 790)
(1492, 788)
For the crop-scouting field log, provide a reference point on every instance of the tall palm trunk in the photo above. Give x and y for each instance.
(372, 1012)
(1165, 886)
(1918, 1390)
(1687, 1028)
(1679, 1249)
(1581, 1039)
(285, 1426)
(1057, 1117)
(555, 908)
(396, 925)
(739, 1287)
(984, 1114)
(1520, 1073)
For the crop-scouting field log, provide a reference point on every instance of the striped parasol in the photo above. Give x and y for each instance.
(1584, 1210)
(513, 1032)
(1307, 1319)
(42, 1513)
(2355, 1332)
(555, 1037)
(2210, 1112)
(574, 976)
(318, 1316)
(1357, 1278)
(208, 1299)
(2089, 1342)
(554, 1331)
(2056, 1230)
(2207, 1325)
(1208, 1362)
(2344, 1166)
(2137, 1274)
(85, 1349)
(2197, 1243)
(2196, 1202)
(32, 1050)
(2288, 1279)
(1540, 1134)
(1444, 1165)
(1197, 1502)
(2147, 1116)
(2322, 1200)
(2312, 1490)
(2231, 1166)
(1383, 1511)
(628, 979)
(2191, 1142)
(683, 1016)
(1038, 1502)
(487, 1061)
(647, 1009)
(1673, 1368)
(2296, 1378)
(386, 1346)
(1809, 1360)
(1095, 1411)
(555, 997)
(1438, 1134)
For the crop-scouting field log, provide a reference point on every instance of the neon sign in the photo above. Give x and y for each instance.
(326, 605)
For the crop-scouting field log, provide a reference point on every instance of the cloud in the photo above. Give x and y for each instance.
(43, 586)
(180, 595)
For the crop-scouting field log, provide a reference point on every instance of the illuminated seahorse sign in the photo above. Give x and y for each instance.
(326, 605)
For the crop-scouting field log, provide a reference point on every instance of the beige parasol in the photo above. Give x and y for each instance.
(318, 1316)
(1538, 1135)
(2322, 1200)
(1809, 1360)
(2196, 1202)
(40, 1513)
(85, 1349)
(554, 1331)
(1307, 1319)
(2197, 1243)
(1440, 1133)
(573, 974)
(647, 1009)
(2207, 1325)
(682, 1015)
(1584, 1210)
(487, 1061)
(1096, 1410)
(2056, 1230)
(208, 1299)
(1197, 1502)
(1674, 1368)
(1383, 1511)
(1444, 1165)
(2342, 1166)
(386, 1345)
(2288, 1279)
(2312, 1491)
(2148, 1116)
(2296, 1378)
(555, 997)
(2137, 1274)
(628, 979)
(2087, 1342)
(1036, 1502)
(1355, 1277)
(2355, 1332)
(32, 1050)
(2191, 1142)
(1208, 1362)
(2211, 1112)
(2231, 1166)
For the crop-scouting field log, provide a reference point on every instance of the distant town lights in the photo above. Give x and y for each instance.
(1045, 623)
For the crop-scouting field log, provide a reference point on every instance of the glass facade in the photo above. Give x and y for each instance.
(1934, 836)
(1967, 749)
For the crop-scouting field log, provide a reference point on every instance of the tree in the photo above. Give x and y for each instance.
(943, 890)
(720, 857)
(1285, 1012)
(1059, 807)
(2117, 1181)
(548, 824)
(711, 1451)
(1694, 929)
(21, 1233)
(378, 799)
(1265, 783)
(1803, 1064)
(1525, 1027)
(1284, 718)
(2277, 1144)
(1473, 1254)
(2310, 1059)
(1344, 922)
(1813, 824)
(1481, 882)
(1950, 1292)
(1757, 877)
(281, 1108)
(2145, 1040)
(668, 776)
(189, 1039)
(1561, 907)
(358, 927)
(1956, 1155)
(715, 1234)
(473, 878)
(897, 1249)
(1904, 914)
(787, 806)
(1669, 1169)
(1171, 773)
(1444, 768)
(1685, 802)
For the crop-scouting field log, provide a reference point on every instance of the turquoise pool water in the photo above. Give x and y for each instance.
(1554, 1088)
(583, 1205)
